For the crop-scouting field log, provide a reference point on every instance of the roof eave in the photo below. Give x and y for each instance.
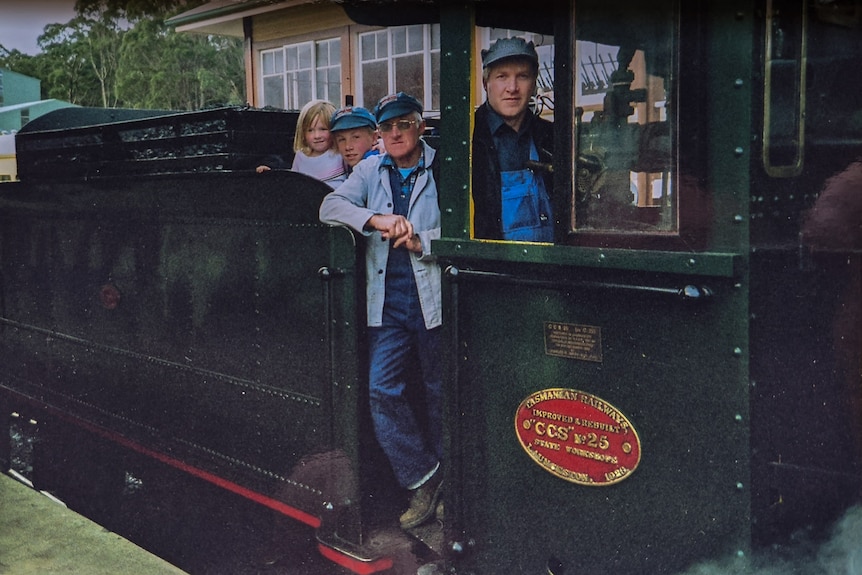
(224, 17)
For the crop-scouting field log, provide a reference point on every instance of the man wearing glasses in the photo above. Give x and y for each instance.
(392, 200)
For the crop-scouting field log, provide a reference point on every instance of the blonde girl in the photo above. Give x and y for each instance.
(314, 146)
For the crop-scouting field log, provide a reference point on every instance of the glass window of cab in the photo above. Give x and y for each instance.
(622, 177)
(624, 121)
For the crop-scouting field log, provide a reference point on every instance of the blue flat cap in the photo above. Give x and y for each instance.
(352, 117)
(509, 48)
(395, 105)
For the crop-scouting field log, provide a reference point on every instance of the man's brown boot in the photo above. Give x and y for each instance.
(423, 502)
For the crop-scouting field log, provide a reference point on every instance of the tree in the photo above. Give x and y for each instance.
(101, 43)
(62, 65)
(16, 60)
(137, 9)
(120, 53)
(162, 69)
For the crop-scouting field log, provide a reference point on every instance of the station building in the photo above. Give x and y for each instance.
(299, 50)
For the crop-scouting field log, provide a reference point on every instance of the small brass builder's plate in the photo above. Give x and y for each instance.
(577, 436)
(573, 341)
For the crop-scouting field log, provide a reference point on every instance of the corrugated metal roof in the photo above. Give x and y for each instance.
(23, 105)
(220, 12)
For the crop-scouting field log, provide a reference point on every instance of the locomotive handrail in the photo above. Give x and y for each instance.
(326, 273)
(688, 292)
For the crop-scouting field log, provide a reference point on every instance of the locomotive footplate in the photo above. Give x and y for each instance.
(385, 548)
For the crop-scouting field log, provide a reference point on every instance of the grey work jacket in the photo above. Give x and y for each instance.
(368, 192)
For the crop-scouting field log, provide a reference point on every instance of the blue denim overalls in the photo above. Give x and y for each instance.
(526, 209)
(413, 449)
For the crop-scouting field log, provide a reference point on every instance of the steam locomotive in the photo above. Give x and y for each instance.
(675, 379)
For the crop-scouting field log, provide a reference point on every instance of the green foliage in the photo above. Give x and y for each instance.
(161, 69)
(120, 53)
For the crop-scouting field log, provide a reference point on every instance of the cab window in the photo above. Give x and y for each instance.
(624, 120)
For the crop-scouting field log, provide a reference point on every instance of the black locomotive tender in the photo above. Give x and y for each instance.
(160, 297)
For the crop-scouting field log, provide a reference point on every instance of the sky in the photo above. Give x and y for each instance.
(22, 21)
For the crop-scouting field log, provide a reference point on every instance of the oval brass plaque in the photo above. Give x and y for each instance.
(577, 436)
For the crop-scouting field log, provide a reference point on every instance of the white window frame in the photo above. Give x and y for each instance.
(323, 91)
(293, 100)
(429, 48)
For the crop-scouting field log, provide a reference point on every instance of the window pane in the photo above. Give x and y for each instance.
(375, 83)
(272, 62)
(334, 94)
(299, 89)
(304, 51)
(322, 55)
(333, 76)
(335, 52)
(410, 75)
(366, 47)
(399, 40)
(382, 39)
(267, 63)
(291, 58)
(292, 95)
(415, 38)
(303, 80)
(329, 84)
(624, 166)
(546, 67)
(435, 36)
(273, 91)
(320, 76)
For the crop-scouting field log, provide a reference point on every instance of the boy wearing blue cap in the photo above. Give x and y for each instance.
(392, 200)
(355, 133)
(510, 195)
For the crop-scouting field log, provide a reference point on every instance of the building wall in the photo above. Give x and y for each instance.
(298, 21)
(17, 88)
(8, 165)
(11, 116)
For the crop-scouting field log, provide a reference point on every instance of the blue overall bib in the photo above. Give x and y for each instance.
(526, 209)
